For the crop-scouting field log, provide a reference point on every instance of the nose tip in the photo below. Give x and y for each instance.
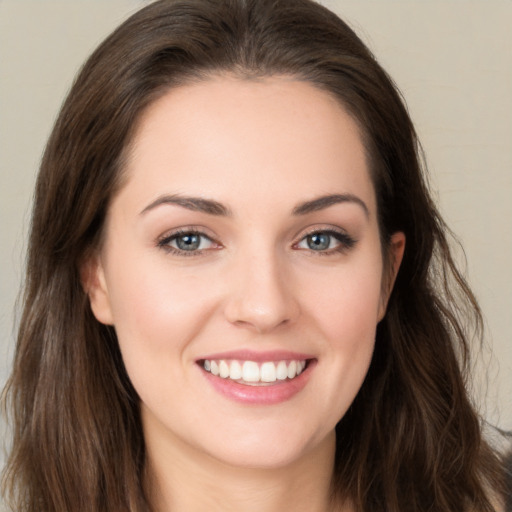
(261, 301)
(258, 319)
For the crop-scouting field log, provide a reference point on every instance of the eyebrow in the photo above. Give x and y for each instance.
(196, 204)
(211, 207)
(325, 201)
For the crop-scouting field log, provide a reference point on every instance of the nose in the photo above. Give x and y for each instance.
(261, 295)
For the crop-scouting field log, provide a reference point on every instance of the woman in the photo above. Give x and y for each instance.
(239, 293)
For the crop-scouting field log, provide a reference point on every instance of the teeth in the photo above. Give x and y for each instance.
(292, 369)
(223, 369)
(268, 372)
(252, 372)
(235, 372)
(282, 371)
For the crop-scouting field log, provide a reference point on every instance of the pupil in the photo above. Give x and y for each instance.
(319, 241)
(188, 242)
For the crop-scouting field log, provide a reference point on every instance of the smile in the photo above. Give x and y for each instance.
(255, 373)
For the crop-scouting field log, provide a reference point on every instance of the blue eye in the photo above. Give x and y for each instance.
(326, 241)
(186, 242)
(319, 241)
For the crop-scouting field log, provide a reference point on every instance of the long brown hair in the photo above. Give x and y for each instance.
(410, 441)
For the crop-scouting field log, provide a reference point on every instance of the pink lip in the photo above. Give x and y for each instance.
(275, 393)
(258, 357)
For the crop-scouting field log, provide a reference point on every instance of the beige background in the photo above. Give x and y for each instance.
(451, 59)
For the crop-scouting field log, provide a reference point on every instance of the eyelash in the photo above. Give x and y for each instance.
(164, 243)
(346, 242)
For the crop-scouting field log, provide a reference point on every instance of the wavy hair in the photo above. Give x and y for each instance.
(411, 439)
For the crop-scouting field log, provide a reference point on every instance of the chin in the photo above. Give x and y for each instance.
(271, 451)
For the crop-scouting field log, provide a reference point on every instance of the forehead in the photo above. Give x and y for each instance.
(276, 136)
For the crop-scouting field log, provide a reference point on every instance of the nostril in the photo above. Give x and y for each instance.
(261, 298)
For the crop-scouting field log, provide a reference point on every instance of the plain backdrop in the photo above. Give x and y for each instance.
(451, 59)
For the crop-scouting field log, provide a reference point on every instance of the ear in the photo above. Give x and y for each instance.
(395, 255)
(92, 276)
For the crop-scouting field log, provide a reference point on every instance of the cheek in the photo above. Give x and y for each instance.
(157, 316)
(346, 303)
(156, 311)
(346, 309)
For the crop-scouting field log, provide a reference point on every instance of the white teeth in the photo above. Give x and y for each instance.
(214, 368)
(282, 371)
(292, 369)
(268, 372)
(235, 372)
(223, 369)
(252, 372)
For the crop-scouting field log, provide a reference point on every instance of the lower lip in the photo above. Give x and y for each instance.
(267, 394)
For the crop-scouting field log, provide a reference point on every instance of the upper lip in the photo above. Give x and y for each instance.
(258, 357)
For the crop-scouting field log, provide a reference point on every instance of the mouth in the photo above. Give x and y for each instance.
(253, 373)
(258, 378)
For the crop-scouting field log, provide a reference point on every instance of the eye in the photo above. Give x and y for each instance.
(326, 241)
(187, 242)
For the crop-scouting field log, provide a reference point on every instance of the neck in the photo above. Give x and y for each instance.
(180, 478)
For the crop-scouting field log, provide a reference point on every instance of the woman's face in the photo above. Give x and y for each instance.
(242, 269)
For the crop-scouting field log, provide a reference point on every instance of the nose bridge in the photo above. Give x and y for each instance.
(261, 296)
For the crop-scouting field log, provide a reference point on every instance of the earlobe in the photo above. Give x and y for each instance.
(396, 253)
(92, 276)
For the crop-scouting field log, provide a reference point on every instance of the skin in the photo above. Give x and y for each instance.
(260, 149)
